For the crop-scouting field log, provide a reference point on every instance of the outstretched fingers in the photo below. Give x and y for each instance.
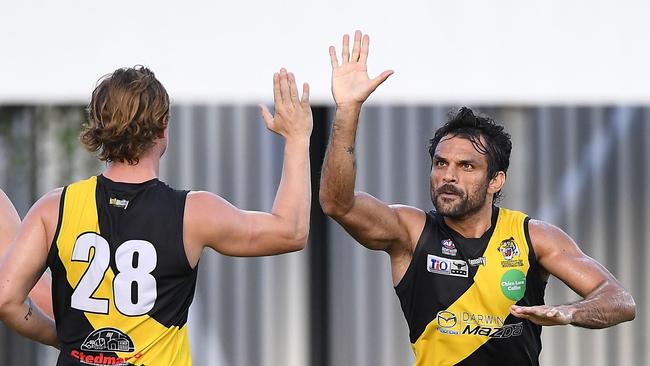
(346, 49)
(277, 94)
(333, 59)
(293, 89)
(365, 43)
(284, 86)
(305, 95)
(544, 314)
(356, 49)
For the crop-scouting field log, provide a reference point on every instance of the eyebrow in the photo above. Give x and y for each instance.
(464, 161)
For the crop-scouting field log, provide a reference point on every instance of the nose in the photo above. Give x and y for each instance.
(449, 175)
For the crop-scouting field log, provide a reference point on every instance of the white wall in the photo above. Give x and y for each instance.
(502, 51)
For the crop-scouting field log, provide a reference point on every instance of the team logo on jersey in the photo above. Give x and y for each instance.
(446, 266)
(510, 252)
(448, 247)
(108, 339)
(100, 347)
(447, 322)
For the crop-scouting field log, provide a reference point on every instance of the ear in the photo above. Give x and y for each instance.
(497, 182)
(163, 133)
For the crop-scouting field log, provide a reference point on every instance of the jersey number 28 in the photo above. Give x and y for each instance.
(134, 288)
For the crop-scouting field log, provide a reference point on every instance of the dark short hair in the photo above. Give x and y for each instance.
(128, 111)
(466, 125)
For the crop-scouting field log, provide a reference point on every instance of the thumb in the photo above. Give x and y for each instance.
(380, 79)
(266, 115)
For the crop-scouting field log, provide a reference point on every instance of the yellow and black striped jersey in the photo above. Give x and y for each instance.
(121, 282)
(457, 292)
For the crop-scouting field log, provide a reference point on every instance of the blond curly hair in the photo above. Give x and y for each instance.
(128, 111)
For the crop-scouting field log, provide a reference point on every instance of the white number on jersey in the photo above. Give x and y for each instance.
(134, 288)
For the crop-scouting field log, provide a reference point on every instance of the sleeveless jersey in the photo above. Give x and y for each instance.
(457, 292)
(121, 282)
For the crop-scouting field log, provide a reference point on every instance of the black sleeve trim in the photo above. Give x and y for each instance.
(53, 247)
(528, 241)
(416, 253)
(182, 196)
(532, 257)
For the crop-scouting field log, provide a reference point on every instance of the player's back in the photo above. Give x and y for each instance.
(121, 282)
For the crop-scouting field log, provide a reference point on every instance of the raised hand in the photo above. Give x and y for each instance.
(543, 315)
(293, 118)
(351, 85)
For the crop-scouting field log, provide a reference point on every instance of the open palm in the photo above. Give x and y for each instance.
(544, 315)
(351, 84)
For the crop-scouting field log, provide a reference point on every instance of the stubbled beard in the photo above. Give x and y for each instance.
(464, 206)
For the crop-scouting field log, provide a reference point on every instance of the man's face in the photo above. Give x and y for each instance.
(459, 182)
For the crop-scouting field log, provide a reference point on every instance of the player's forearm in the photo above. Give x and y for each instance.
(339, 168)
(606, 306)
(28, 320)
(41, 295)
(293, 199)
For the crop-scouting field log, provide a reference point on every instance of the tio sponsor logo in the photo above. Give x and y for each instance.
(445, 266)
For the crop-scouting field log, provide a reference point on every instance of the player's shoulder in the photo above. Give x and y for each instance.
(408, 213)
(9, 219)
(49, 202)
(543, 230)
(6, 207)
(547, 238)
(50, 199)
(201, 205)
(198, 199)
(46, 209)
(412, 218)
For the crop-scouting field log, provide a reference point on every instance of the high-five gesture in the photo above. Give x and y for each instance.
(293, 116)
(351, 85)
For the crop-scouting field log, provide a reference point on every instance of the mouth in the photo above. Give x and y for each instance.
(448, 196)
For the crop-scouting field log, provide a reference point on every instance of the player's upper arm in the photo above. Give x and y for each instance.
(213, 222)
(9, 222)
(26, 258)
(560, 256)
(378, 226)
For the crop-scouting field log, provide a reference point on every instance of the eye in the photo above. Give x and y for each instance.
(468, 166)
(440, 163)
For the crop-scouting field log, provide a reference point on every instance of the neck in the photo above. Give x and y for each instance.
(473, 225)
(146, 169)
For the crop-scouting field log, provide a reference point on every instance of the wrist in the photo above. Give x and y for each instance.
(568, 312)
(348, 114)
(350, 107)
(298, 140)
